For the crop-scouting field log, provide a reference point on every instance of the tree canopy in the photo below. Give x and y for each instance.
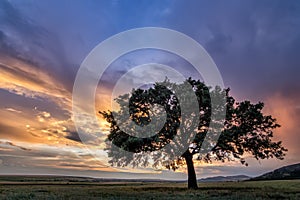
(244, 130)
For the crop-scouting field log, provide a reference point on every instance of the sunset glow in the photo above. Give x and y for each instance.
(42, 44)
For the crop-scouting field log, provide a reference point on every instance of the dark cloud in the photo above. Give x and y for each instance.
(72, 135)
(254, 43)
(23, 38)
(10, 144)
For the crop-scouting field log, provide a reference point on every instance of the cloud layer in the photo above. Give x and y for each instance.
(42, 44)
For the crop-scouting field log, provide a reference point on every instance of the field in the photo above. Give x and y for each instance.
(60, 188)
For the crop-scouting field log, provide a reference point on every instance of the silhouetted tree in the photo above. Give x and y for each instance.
(245, 129)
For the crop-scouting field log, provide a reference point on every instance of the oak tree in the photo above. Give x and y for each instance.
(244, 129)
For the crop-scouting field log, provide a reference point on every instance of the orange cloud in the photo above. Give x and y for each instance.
(54, 141)
(286, 111)
(24, 79)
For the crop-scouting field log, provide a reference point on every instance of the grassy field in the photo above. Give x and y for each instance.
(57, 188)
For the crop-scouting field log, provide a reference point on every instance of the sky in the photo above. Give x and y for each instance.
(255, 45)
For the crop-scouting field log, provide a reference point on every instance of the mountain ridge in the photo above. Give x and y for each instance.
(283, 173)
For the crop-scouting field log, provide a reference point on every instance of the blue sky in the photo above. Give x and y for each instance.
(255, 45)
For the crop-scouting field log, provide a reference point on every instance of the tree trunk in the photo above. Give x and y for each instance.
(192, 180)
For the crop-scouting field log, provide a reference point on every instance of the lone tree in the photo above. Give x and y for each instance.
(245, 129)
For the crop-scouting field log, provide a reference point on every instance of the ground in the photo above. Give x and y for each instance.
(288, 189)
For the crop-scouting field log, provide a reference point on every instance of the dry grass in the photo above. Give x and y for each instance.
(289, 189)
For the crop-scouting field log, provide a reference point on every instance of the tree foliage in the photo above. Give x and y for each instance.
(245, 130)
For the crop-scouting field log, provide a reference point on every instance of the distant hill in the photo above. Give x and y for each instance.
(224, 178)
(287, 172)
(74, 179)
(283, 173)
